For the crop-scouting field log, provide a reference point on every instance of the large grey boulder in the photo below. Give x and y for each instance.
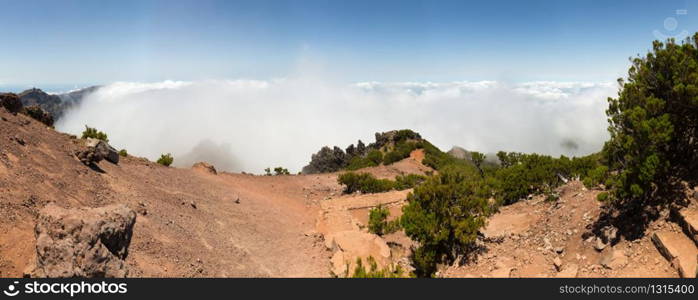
(86, 242)
(104, 149)
(96, 151)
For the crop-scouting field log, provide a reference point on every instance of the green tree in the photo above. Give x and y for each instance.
(444, 215)
(653, 126)
(281, 171)
(378, 220)
(477, 159)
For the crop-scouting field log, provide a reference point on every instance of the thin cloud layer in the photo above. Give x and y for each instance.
(248, 125)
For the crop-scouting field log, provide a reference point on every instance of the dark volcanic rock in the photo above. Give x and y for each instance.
(11, 102)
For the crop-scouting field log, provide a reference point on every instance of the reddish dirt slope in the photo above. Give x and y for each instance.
(192, 225)
(190, 222)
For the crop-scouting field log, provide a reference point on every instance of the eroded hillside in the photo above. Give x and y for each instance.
(199, 223)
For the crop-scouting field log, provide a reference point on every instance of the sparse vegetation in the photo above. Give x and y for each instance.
(94, 133)
(281, 171)
(165, 159)
(378, 221)
(364, 182)
(444, 215)
(123, 152)
(367, 183)
(373, 271)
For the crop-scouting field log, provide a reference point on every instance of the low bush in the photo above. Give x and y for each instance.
(123, 152)
(281, 171)
(364, 182)
(94, 133)
(166, 159)
(378, 221)
(403, 182)
(401, 151)
(373, 271)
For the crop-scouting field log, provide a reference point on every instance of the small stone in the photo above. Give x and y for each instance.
(558, 263)
(600, 245)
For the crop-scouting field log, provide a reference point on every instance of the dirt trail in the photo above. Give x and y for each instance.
(192, 223)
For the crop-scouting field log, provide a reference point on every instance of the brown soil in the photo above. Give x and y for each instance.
(196, 223)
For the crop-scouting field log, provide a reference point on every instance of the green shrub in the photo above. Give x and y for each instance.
(281, 171)
(359, 162)
(367, 183)
(94, 133)
(267, 171)
(401, 151)
(596, 176)
(378, 221)
(603, 196)
(375, 156)
(654, 127)
(123, 152)
(373, 272)
(364, 182)
(165, 159)
(444, 215)
(403, 182)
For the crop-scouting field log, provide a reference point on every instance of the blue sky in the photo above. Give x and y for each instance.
(98, 42)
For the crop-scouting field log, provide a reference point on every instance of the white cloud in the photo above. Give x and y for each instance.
(282, 122)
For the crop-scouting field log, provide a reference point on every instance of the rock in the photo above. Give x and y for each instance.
(679, 250)
(502, 269)
(570, 271)
(11, 102)
(36, 113)
(559, 250)
(86, 242)
(107, 152)
(609, 234)
(558, 263)
(193, 204)
(141, 209)
(614, 260)
(339, 265)
(205, 167)
(96, 151)
(599, 245)
(19, 140)
(359, 244)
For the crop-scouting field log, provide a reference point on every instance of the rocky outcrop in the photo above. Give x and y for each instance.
(96, 151)
(11, 102)
(459, 152)
(352, 244)
(205, 168)
(679, 250)
(87, 242)
(334, 159)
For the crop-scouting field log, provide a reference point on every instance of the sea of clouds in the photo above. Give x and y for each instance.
(248, 125)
